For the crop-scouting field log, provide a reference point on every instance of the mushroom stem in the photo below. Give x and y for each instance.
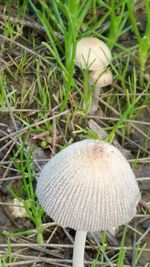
(94, 101)
(98, 79)
(79, 247)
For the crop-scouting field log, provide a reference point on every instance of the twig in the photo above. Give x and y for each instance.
(21, 131)
(27, 49)
(145, 205)
(54, 135)
(58, 261)
(6, 145)
(118, 114)
(143, 236)
(30, 245)
(117, 119)
(24, 22)
(141, 179)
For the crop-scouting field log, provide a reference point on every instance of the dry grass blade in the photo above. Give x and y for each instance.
(27, 49)
(23, 130)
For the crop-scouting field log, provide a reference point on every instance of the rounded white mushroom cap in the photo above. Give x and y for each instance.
(88, 186)
(100, 78)
(92, 53)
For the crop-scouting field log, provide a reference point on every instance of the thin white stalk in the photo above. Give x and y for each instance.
(102, 78)
(79, 247)
(94, 102)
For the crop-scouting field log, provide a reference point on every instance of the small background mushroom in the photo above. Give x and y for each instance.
(95, 55)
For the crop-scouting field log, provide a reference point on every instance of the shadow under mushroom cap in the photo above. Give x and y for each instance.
(88, 186)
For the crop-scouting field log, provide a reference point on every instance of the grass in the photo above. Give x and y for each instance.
(26, 194)
(102, 257)
(8, 257)
(45, 100)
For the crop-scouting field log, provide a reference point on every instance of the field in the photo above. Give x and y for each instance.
(45, 102)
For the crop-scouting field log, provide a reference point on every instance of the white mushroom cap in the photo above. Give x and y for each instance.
(100, 78)
(88, 186)
(92, 53)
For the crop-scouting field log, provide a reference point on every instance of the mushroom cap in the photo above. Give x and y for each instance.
(101, 78)
(88, 186)
(92, 53)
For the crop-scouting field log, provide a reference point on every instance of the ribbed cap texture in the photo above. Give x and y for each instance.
(88, 186)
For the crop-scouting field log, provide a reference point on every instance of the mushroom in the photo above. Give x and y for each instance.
(92, 53)
(95, 55)
(98, 79)
(88, 186)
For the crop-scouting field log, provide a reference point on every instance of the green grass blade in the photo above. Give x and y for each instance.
(122, 249)
(130, 6)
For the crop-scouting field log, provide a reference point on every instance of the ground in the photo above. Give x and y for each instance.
(45, 106)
